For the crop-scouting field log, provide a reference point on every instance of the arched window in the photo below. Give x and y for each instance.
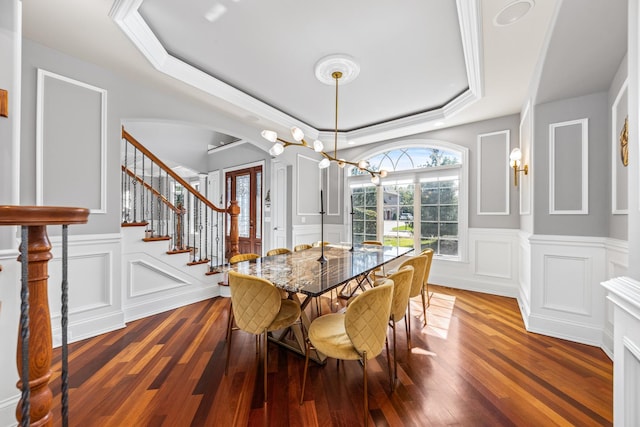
(422, 203)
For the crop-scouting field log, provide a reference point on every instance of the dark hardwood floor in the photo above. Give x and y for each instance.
(474, 365)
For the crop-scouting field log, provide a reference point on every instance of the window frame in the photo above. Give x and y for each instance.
(415, 176)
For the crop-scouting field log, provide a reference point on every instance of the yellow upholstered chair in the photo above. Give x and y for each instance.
(278, 251)
(372, 242)
(426, 298)
(302, 247)
(359, 333)
(419, 264)
(243, 257)
(258, 309)
(319, 243)
(234, 260)
(401, 287)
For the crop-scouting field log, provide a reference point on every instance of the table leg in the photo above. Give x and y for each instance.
(299, 331)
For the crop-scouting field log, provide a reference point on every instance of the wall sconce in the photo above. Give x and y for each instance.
(515, 157)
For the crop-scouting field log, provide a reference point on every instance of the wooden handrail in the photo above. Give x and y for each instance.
(173, 175)
(233, 210)
(36, 218)
(150, 188)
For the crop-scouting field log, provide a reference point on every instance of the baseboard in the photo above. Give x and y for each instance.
(150, 307)
(8, 410)
(564, 329)
(88, 328)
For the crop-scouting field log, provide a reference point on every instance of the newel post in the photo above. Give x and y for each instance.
(38, 253)
(234, 234)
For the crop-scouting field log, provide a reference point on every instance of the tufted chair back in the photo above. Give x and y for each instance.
(419, 264)
(243, 257)
(255, 302)
(366, 319)
(278, 251)
(402, 280)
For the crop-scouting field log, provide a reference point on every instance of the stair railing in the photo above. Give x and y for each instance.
(155, 196)
(34, 338)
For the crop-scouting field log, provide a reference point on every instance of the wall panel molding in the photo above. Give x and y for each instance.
(308, 186)
(619, 202)
(493, 182)
(66, 133)
(561, 169)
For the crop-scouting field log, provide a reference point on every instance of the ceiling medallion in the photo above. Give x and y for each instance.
(344, 64)
(328, 70)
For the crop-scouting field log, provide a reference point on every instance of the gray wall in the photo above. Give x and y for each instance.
(467, 136)
(9, 126)
(595, 223)
(127, 99)
(618, 223)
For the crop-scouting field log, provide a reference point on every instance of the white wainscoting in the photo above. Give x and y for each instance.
(154, 281)
(9, 323)
(624, 293)
(524, 276)
(566, 298)
(95, 297)
(492, 266)
(333, 233)
(617, 266)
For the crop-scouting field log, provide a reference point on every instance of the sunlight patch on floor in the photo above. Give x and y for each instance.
(439, 314)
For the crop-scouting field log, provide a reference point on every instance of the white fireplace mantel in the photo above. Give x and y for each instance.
(624, 293)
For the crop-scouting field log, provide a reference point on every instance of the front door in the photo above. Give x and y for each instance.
(245, 186)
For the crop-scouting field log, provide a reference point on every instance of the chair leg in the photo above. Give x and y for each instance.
(229, 321)
(386, 344)
(407, 319)
(226, 366)
(306, 366)
(265, 363)
(424, 307)
(395, 360)
(366, 393)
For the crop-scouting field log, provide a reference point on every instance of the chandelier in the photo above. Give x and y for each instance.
(351, 70)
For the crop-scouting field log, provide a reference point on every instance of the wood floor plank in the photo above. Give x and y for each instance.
(472, 365)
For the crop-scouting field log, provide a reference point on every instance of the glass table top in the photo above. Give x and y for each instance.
(303, 272)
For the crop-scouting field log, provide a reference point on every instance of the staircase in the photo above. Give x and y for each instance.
(174, 239)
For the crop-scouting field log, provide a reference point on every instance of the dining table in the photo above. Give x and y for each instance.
(309, 274)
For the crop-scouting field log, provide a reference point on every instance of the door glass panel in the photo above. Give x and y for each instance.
(439, 219)
(259, 205)
(243, 196)
(365, 200)
(398, 214)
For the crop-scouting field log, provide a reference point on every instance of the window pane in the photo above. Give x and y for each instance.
(449, 213)
(448, 195)
(429, 213)
(429, 229)
(429, 244)
(448, 247)
(429, 195)
(449, 229)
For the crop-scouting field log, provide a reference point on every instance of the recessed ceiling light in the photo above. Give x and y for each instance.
(438, 123)
(512, 12)
(216, 11)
